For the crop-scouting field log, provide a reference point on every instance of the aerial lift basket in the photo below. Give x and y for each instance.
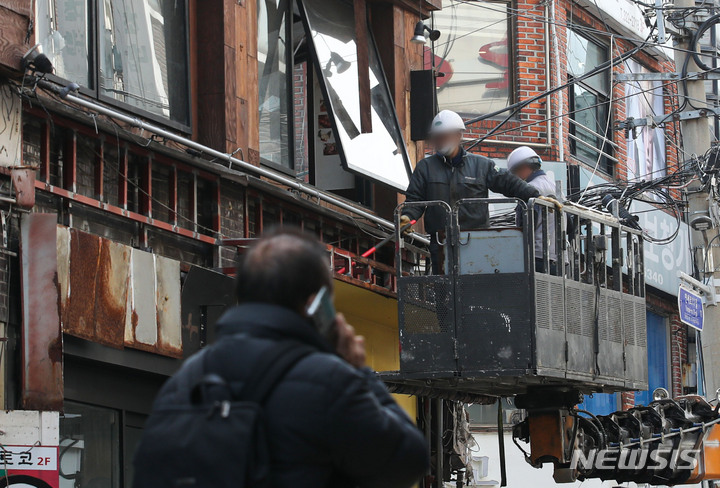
(502, 317)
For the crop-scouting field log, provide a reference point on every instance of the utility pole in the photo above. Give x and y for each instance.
(696, 141)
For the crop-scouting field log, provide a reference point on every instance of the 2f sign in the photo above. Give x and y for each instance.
(691, 309)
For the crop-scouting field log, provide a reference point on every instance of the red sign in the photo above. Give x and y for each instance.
(25, 466)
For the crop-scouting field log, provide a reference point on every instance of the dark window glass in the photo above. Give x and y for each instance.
(185, 197)
(86, 161)
(59, 138)
(273, 82)
(205, 206)
(89, 454)
(590, 130)
(473, 56)
(141, 46)
(32, 143)
(161, 192)
(135, 190)
(62, 27)
(143, 55)
(111, 173)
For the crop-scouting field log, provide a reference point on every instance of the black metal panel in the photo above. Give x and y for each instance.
(635, 328)
(611, 335)
(422, 103)
(427, 326)
(515, 329)
(494, 327)
(580, 316)
(550, 320)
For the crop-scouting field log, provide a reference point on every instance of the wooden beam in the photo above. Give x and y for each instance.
(14, 23)
(363, 56)
(423, 7)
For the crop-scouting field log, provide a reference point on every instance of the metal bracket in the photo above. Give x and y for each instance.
(631, 123)
(695, 75)
(707, 290)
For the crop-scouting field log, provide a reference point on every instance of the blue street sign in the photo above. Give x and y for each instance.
(691, 308)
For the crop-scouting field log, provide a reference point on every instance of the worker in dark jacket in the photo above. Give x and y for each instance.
(453, 174)
(331, 422)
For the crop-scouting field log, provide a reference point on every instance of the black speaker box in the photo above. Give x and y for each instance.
(422, 103)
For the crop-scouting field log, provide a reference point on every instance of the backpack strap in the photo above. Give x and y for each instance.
(193, 373)
(271, 368)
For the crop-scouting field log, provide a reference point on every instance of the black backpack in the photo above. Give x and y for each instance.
(214, 439)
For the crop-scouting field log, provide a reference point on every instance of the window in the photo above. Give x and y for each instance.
(486, 417)
(378, 151)
(274, 90)
(62, 27)
(472, 56)
(89, 446)
(141, 48)
(645, 145)
(315, 119)
(589, 103)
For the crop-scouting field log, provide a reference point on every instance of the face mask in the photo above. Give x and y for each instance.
(446, 150)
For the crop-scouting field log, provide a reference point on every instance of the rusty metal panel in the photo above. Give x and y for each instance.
(168, 306)
(143, 313)
(111, 291)
(42, 351)
(79, 315)
(24, 183)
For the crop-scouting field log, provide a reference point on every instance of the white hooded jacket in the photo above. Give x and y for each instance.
(546, 186)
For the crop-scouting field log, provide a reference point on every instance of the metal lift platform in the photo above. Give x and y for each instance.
(502, 318)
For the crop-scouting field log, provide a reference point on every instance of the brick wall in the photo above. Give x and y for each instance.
(534, 74)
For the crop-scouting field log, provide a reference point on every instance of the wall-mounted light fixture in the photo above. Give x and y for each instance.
(341, 64)
(419, 36)
(35, 60)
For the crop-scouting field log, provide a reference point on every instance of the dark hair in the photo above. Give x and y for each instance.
(285, 267)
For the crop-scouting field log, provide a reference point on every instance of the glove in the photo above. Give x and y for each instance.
(552, 201)
(405, 221)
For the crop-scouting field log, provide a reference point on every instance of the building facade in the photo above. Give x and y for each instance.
(120, 240)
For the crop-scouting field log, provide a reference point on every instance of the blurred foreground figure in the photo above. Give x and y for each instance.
(283, 398)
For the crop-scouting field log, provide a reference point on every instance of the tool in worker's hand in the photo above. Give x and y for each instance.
(551, 201)
(406, 224)
(380, 244)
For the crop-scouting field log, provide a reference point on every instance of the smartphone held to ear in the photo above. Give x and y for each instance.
(322, 313)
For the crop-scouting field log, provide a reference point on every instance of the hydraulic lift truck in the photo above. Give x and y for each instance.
(491, 325)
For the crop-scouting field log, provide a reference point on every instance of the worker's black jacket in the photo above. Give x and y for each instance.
(329, 424)
(435, 178)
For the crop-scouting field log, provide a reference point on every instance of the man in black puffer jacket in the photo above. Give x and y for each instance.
(330, 420)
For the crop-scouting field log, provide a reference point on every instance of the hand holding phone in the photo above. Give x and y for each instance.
(350, 347)
(335, 329)
(322, 313)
